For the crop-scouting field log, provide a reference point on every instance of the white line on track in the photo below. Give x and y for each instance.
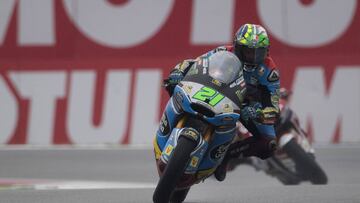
(84, 185)
(39, 184)
(74, 147)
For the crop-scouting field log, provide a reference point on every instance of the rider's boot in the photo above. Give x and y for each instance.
(220, 172)
(235, 151)
(245, 148)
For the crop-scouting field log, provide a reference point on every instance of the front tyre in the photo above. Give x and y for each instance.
(179, 196)
(173, 171)
(306, 164)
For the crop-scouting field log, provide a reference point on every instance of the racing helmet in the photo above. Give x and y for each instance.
(251, 44)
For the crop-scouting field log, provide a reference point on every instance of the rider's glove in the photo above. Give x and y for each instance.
(174, 78)
(268, 115)
(249, 113)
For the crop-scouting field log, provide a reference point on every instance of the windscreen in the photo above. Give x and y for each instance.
(224, 66)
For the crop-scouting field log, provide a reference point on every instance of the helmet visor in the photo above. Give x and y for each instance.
(251, 55)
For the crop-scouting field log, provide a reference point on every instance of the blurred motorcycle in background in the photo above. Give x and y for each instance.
(198, 125)
(294, 161)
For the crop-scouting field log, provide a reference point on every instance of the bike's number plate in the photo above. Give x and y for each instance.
(208, 95)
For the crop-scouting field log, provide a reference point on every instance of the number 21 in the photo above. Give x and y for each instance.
(209, 95)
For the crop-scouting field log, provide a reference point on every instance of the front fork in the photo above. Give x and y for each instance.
(180, 124)
(157, 147)
(208, 132)
(162, 154)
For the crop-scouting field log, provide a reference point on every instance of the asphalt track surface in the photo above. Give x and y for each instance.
(129, 175)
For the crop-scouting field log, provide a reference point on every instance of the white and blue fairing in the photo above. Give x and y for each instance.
(225, 112)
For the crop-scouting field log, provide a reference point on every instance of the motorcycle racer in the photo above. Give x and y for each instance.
(289, 168)
(261, 106)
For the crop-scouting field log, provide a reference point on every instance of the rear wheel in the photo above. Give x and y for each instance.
(173, 171)
(306, 165)
(283, 173)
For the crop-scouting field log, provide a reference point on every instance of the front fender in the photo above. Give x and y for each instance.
(195, 157)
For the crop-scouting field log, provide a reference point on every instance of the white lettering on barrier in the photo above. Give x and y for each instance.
(306, 26)
(291, 22)
(119, 26)
(341, 103)
(8, 112)
(145, 119)
(81, 106)
(42, 89)
(212, 21)
(36, 22)
(6, 9)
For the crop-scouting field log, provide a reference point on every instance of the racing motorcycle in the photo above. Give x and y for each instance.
(294, 161)
(198, 125)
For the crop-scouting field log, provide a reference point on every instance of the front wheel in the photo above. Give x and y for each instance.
(173, 171)
(306, 164)
(179, 196)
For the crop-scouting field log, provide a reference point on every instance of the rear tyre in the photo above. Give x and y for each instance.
(306, 164)
(285, 176)
(173, 171)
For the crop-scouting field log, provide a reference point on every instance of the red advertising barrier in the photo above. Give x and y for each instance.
(80, 71)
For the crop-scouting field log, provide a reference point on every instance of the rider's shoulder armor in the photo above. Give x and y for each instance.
(267, 74)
